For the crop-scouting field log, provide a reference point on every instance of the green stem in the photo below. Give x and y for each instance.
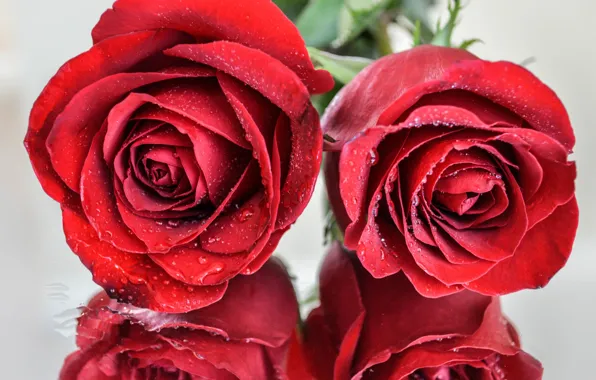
(382, 36)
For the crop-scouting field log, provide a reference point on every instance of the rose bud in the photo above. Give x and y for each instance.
(453, 170)
(181, 146)
(243, 336)
(384, 329)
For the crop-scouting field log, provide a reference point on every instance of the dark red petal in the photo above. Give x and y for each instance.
(76, 365)
(188, 362)
(222, 164)
(162, 237)
(277, 83)
(425, 284)
(496, 244)
(380, 248)
(297, 366)
(471, 180)
(258, 24)
(383, 85)
(99, 201)
(97, 322)
(320, 348)
(121, 162)
(204, 103)
(266, 252)
(304, 165)
(244, 360)
(220, 161)
(520, 366)
(263, 113)
(238, 230)
(133, 277)
(539, 256)
(399, 366)
(457, 203)
(265, 302)
(73, 76)
(269, 241)
(332, 185)
(396, 82)
(354, 169)
(423, 320)
(557, 189)
(342, 306)
(339, 291)
(118, 127)
(520, 91)
(193, 265)
(141, 198)
(75, 128)
(300, 151)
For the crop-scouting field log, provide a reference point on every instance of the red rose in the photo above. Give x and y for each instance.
(181, 146)
(117, 341)
(383, 329)
(453, 170)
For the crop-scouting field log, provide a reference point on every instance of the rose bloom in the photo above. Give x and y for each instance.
(369, 328)
(453, 170)
(181, 146)
(117, 341)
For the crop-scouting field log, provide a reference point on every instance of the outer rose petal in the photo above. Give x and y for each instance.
(71, 78)
(265, 303)
(528, 268)
(399, 331)
(133, 277)
(258, 24)
(373, 98)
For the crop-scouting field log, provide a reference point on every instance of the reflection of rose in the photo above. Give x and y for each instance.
(243, 336)
(181, 146)
(454, 170)
(383, 329)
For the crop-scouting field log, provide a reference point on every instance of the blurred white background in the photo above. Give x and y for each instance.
(40, 278)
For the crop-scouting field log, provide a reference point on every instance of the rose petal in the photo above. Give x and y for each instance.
(161, 237)
(431, 69)
(278, 83)
(423, 320)
(265, 301)
(75, 127)
(244, 360)
(73, 76)
(99, 201)
(133, 277)
(258, 24)
(352, 112)
(539, 256)
(320, 347)
(496, 244)
(203, 102)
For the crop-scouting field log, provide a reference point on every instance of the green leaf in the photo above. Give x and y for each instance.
(344, 69)
(358, 15)
(291, 8)
(417, 34)
(318, 22)
(417, 12)
(467, 43)
(443, 34)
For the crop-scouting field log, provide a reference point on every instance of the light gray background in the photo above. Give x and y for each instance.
(40, 278)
